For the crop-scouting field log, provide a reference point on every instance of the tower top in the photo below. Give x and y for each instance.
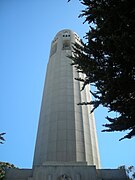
(66, 33)
(63, 41)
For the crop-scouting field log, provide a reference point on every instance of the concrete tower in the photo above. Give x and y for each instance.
(66, 146)
(66, 131)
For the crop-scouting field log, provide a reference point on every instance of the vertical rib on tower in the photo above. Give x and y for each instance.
(66, 131)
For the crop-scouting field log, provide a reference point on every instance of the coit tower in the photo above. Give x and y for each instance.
(66, 131)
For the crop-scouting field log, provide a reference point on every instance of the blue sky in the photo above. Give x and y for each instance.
(27, 28)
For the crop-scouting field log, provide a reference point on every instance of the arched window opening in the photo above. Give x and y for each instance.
(54, 49)
(66, 45)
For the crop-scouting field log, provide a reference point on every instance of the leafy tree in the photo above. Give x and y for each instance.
(108, 60)
(130, 171)
(3, 167)
(2, 138)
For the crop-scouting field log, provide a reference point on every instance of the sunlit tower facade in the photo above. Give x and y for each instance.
(66, 145)
(66, 131)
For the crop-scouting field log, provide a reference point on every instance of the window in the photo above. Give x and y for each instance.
(66, 45)
(64, 177)
(66, 35)
(53, 49)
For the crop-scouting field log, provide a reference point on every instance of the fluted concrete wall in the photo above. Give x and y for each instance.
(66, 131)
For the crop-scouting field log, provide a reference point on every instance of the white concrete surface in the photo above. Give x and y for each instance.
(66, 131)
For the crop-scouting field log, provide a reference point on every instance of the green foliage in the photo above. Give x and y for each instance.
(108, 59)
(3, 167)
(2, 138)
(130, 171)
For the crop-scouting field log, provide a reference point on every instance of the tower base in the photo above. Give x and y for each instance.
(65, 172)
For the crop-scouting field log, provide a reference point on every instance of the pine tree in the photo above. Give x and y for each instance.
(108, 60)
